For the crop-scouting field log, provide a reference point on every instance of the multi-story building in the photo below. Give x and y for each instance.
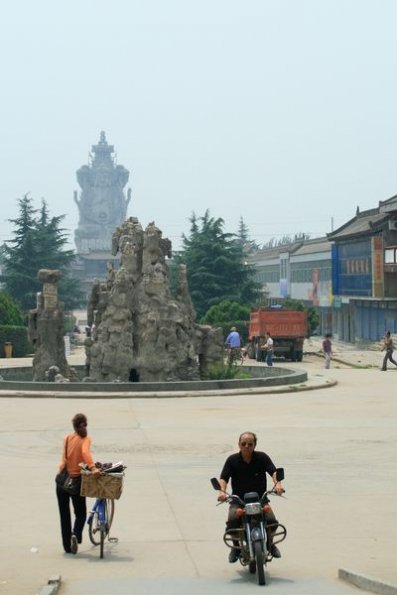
(300, 270)
(350, 276)
(364, 274)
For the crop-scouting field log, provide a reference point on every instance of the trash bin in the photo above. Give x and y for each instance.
(8, 349)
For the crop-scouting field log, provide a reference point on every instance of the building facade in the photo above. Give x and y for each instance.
(364, 274)
(301, 271)
(349, 276)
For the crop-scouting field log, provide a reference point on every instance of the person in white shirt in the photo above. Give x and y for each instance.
(269, 350)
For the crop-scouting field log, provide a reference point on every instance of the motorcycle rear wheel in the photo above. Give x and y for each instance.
(260, 569)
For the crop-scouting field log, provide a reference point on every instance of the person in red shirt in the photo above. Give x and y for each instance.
(76, 449)
(327, 350)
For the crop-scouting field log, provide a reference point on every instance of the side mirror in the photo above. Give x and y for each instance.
(215, 483)
(280, 474)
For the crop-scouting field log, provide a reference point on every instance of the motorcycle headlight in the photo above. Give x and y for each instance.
(253, 508)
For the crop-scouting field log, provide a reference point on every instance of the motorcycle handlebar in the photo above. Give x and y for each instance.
(234, 498)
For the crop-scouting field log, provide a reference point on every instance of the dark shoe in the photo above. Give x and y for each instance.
(275, 552)
(234, 555)
(73, 544)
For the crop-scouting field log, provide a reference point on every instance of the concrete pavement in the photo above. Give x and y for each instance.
(337, 446)
(367, 355)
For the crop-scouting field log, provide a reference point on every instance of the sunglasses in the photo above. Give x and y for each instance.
(247, 443)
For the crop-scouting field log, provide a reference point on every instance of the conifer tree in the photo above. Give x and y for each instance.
(216, 269)
(10, 314)
(243, 236)
(38, 242)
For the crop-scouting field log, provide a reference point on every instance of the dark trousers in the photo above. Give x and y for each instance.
(80, 513)
(234, 522)
(388, 356)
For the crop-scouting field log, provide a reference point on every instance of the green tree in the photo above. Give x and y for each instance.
(10, 314)
(216, 268)
(243, 236)
(38, 242)
(313, 318)
(227, 314)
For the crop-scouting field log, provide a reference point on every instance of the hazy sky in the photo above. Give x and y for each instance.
(283, 111)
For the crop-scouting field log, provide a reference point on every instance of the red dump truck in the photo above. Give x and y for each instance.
(287, 328)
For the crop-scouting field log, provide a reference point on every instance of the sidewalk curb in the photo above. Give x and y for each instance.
(367, 583)
(345, 362)
(52, 587)
(285, 388)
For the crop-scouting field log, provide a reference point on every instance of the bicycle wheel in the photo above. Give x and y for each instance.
(109, 511)
(103, 533)
(260, 569)
(94, 529)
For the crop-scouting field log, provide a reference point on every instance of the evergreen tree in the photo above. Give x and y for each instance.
(51, 239)
(19, 280)
(10, 314)
(38, 243)
(249, 246)
(215, 265)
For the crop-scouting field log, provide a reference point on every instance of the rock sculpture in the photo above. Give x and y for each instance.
(142, 332)
(46, 328)
(53, 375)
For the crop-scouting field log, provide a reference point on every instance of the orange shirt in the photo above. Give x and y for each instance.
(77, 451)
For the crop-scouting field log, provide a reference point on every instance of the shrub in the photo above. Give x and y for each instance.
(222, 371)
(18, 337)
(10, 314)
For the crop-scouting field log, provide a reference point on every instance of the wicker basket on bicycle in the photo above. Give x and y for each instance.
(101, 486)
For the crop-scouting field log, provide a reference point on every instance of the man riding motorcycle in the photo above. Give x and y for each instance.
(247, 470)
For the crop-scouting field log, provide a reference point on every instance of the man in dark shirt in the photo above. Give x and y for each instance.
(247, 470)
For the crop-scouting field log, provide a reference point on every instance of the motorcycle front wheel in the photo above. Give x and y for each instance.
(260, 569)
(252, 566)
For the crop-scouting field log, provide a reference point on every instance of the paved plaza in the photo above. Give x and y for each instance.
(337, 446)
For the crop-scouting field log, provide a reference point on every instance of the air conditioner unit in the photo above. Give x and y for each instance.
(393, 224)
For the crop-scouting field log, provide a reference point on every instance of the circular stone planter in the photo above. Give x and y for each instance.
(15, 381)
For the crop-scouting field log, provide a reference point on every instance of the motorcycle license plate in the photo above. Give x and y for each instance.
(253, 508)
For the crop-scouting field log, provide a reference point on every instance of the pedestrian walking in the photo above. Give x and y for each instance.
(389, 348)
(327, 350)
(268, 347)
(76, 449)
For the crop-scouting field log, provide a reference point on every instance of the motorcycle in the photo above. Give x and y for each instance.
(251, 537)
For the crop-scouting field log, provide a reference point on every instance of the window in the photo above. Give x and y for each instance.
(390, 256)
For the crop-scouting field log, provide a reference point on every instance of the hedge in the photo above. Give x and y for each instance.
(18, 337)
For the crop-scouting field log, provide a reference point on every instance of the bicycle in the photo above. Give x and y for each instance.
(100, 520)
(106, 488)
(235, 356)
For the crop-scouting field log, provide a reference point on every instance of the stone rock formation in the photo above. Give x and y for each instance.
(53, 375)
(46, 328)
(141, 332)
